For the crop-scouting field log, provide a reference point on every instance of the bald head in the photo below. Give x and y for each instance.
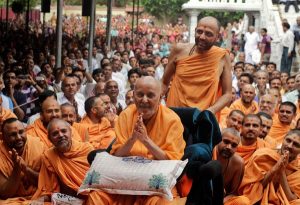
(147, 95)
(60, 135)
(50, 110)
(68, 113)
(212, 21)
(247, 94)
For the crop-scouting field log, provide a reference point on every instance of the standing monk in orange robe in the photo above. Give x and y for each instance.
(20, 162)
(150, 130)
(200, 73)
(283, 122)
(232, 166)
(273, 177)
(246, 103)
(64, 165)
(50, 109)
(250, 140)
(101, 134)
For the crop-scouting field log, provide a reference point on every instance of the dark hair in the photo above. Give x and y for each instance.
(263, 114)
(132, 71)
(290, 77)
(96, 71)
(274, 79)
(286, 25)
(287, 103)
(265, 30)
(8, 121)
(89, 103)
(272, 63)
(249, 76)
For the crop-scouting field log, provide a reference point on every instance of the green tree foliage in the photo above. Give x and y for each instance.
(165, 10)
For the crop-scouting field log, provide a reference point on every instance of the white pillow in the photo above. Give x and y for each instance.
(132, 175)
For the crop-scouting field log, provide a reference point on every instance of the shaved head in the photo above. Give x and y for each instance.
(147, 96)
(211, 20)
(148, 80)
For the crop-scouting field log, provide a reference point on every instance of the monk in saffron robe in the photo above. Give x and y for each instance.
(246, 103)
(200, 73)
(226, 110)
(64, 165)
(5, 114)
(50, 110)
(20, 162)
(150, 130)
(283, 123)
(234, 120)
(232, 166)
(101, 134)
(250, 141)
(272, 177)
(267, 122)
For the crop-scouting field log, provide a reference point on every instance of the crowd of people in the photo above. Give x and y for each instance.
(52, 118)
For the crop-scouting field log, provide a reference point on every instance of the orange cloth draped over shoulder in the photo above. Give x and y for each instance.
(32, 155)
(100, 135)
(272, 142)
(238, 105)
(223, 116)
(196, 82)
(37, 129)
(279, 130)
(262, 161)
(246, 152)
(68, 168)
(166, 131)
(82, 130)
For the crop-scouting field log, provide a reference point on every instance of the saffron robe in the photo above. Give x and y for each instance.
(31, 155)
(262, 161)
(238, 105)
(100, 135)
(196, 82)
(279, 130)
(68, 168)
(166, 131)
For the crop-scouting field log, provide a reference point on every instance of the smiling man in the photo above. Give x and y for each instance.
(250, 141)
(200, 67)
(283, 122)
(64, 165)
(273, 177)
(20, 162)
(147, 129)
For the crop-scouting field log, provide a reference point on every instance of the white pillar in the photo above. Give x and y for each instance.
(193, 23)
(257, 21)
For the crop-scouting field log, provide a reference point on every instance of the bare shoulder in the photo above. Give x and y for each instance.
(182, 48)
(237, 161)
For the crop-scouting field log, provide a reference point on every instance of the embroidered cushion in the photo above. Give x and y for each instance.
(132, 175)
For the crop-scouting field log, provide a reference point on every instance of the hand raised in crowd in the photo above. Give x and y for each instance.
(18, 161)
(30, 80)
(10, 90)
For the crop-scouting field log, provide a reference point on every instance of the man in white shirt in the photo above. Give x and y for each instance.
(252, 40)
(70, 95)
(287, 42)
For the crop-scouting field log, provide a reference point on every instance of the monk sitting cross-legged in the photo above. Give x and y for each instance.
(150, 130)
(232, 166)
(20, 162)
(64, 165)
(272, 177)
(250, 141)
